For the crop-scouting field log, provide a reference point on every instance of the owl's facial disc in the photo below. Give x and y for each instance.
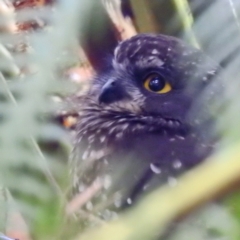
(148, 87)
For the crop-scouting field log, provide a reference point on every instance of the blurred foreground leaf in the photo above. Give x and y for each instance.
(153, 215)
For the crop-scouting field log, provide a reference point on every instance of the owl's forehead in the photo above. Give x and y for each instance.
(149, 49)
(160, 51)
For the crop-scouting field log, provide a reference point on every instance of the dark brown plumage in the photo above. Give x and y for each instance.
(135, 130)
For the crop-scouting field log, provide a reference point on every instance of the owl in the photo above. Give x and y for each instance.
(141, 123)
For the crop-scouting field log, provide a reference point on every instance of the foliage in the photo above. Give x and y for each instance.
(34, 148)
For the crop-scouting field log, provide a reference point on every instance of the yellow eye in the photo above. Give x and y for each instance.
(156, 83)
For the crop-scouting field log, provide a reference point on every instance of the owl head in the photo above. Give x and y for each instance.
(136, 113)
(153, 81)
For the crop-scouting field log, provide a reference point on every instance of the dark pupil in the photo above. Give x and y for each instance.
(157, 83)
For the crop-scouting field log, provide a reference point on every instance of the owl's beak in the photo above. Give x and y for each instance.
(111, 91)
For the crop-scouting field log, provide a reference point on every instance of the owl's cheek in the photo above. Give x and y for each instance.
(177, 108)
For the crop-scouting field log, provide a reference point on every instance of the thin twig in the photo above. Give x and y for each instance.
(79, 200)
(47, 172)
